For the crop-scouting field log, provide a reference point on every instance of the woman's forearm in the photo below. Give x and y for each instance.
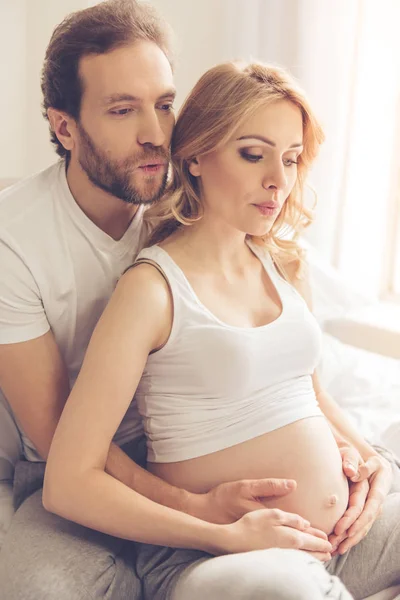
(343, 430)
(97, 500)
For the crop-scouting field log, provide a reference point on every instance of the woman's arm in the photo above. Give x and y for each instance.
(77, 487)
(136, 320)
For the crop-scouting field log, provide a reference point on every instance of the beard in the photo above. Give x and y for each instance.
(114, 176)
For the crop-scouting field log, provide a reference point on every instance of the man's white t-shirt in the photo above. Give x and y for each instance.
(58, 271)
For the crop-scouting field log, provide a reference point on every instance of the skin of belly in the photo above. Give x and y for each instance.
(304, 450)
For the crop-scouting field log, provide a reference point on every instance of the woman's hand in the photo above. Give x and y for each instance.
(274, 528)
(368, 491)
(228, 502)
(352, 460)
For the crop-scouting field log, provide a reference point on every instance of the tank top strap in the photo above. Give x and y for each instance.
(174, 276)
(266, 260)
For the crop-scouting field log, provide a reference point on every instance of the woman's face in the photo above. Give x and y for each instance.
(245, 183)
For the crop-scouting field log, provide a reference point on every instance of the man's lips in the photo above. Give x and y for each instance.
(154, 163)
(152, 167)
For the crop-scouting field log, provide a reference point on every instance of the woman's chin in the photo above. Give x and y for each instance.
(259, 231)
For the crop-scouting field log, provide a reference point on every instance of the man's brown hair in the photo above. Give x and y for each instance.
(95, 30)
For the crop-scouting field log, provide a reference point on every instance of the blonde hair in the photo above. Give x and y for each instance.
(222, 99)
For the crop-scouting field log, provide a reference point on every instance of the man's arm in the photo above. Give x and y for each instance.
(34, 379)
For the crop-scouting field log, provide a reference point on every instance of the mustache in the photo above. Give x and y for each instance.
(152, 155)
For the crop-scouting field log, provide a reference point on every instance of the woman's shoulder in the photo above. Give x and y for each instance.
(143, 283)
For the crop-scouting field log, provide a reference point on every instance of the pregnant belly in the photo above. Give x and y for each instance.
(305, 451)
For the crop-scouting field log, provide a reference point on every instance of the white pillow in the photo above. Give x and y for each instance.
(367, 386)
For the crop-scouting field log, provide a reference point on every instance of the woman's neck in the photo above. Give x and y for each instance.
(214, 245)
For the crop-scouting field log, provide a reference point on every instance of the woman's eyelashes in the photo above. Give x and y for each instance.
(250, 156)
(254, 157)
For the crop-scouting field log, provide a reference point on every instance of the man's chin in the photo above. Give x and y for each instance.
(149, 191)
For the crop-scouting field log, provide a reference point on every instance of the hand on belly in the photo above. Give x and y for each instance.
(320, 503)
(305, 451)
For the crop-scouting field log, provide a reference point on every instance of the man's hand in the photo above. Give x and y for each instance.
(274, 528)
(367, 494)
(228, 502)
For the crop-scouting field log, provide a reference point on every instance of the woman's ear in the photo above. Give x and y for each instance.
(194, 167)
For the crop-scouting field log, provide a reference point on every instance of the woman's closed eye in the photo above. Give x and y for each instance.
(250, 156)
(256, 157)
(288, 162)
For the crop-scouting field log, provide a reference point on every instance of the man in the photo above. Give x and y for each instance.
(66, 235)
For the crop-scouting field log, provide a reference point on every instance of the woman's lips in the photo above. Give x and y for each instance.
(267, 209)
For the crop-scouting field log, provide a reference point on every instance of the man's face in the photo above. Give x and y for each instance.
(126, 121)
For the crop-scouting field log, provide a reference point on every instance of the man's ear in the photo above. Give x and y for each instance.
(194, 167)
(63, 125)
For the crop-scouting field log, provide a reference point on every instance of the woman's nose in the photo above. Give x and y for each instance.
(275, 177)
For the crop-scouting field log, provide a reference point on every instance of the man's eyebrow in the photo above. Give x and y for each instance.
(129, 98)
(266, 140)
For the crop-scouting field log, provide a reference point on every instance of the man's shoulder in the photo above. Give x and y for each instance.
(22, 204)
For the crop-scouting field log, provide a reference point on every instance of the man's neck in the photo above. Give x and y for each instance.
(109, 213)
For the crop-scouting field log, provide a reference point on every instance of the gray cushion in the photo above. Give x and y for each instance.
(6, 508)
(10, 442)
(10, 453)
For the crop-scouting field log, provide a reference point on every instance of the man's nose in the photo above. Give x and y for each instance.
(150, 130)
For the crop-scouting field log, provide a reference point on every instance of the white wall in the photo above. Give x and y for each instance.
(13, 134)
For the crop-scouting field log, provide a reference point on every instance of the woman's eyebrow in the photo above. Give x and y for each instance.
(266, 140)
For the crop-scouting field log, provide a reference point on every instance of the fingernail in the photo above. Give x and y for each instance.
(307, 523)
(289, 484)
(349, 465)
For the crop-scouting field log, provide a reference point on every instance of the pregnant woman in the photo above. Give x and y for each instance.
(227, 391)
(212, 332)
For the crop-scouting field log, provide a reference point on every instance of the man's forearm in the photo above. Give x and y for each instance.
(343, 430)
(123, 468)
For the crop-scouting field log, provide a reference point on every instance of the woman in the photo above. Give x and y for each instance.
(210, 331)
(227, 392)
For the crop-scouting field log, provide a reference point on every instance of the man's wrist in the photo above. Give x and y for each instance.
(196, 506)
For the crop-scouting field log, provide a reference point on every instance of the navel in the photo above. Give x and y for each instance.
(332, 500)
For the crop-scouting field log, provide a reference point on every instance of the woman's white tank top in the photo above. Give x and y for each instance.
(215, 385)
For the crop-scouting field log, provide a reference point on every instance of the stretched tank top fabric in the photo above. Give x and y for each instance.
(215, 385)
